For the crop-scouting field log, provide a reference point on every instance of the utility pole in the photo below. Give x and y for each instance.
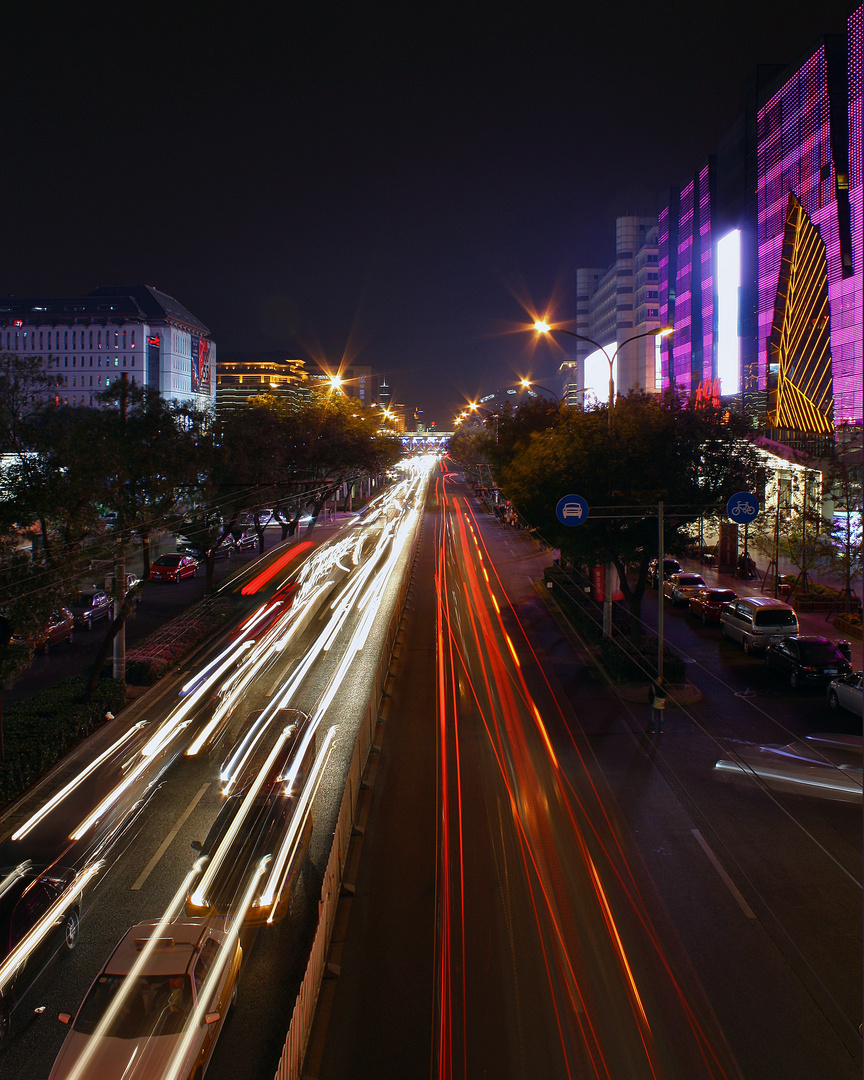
(119, 589)
(661, 559)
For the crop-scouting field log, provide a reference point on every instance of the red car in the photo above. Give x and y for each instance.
(708, 603)
(173, 567)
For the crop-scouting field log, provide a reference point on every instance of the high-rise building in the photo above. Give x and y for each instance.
(606, 309)
(809, 174)
(85, 343)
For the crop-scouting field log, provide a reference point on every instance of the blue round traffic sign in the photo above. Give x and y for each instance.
(742, 508)
(571, 510)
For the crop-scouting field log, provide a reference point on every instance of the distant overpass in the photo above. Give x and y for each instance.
(424, 442)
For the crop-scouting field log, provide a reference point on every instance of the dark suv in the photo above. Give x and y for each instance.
(670, 567)
(27, 894)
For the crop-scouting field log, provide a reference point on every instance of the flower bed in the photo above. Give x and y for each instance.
(165, 648)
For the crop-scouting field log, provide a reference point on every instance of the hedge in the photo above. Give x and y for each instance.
(38, 732)
(623, 661)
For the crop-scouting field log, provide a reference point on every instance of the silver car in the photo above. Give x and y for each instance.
(845, 693)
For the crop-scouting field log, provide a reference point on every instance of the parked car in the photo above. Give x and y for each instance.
(173, 567)
(807, 660)
(681, 586)
(709, 603)
(92, 604)
(181, 996)
(265, 517)
(670, 566)
(825, 766)
(59, 626)
(225, 550)
(132, 580)
(246, 540)
(845, 693)
(756, 621)
(26, 895)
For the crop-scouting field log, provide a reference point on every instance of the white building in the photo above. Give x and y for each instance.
(612, 307)
(88, 342)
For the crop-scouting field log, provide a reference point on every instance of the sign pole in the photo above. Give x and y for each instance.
(661, 559)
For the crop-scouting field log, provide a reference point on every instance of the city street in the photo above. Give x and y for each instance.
(247, 670)
(760, 890)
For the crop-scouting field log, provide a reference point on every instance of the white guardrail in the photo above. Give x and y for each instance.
(303, 1015)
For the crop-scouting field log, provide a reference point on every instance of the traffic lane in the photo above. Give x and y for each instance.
(346, 711)
(607, 976)
(796, 859)
(739, 963)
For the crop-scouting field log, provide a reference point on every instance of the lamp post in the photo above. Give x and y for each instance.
(526, 384)
(474, 407)
(661, 331)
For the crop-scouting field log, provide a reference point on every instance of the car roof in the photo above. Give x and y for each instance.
(178, 942)
(764, 601)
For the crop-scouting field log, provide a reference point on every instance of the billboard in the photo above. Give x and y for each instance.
(201, 365)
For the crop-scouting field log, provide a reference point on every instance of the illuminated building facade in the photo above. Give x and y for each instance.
(86, 343)
(723, 282)
(809, 148)
(240, 380)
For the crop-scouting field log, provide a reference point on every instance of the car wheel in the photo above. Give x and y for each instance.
(723, 630)
(746, 645)
(71, 637)
(70, 929)
(233, 1000)
(704, 619)
(88, 624)
(834, 701)
(46, 648)
(794, 681)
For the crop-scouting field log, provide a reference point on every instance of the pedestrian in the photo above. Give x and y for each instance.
(657, 701)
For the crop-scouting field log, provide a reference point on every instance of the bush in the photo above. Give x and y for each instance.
(165, 648)
(619, 656)
(38, 732)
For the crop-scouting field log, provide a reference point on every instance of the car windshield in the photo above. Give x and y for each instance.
(156, 1005)
(773, 617)
(819, 652)
(168, 560)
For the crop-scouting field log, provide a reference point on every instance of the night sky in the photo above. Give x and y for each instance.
(390, 184)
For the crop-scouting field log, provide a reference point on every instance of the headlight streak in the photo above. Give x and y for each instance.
(235, 649)
(67, 789)
(199, 898)
(283, 857)
(35, 936)
(214, 976)
(81, 1068)
(13, 876)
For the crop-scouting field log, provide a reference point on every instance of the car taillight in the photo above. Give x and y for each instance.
(808, 668)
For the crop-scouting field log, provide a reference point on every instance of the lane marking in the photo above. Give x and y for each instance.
(163, 847)
(727, 881)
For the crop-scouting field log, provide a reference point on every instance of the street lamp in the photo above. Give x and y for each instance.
(543, 327)
(526, 384)
(474, 407)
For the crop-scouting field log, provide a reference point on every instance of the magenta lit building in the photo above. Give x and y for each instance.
(809, 146)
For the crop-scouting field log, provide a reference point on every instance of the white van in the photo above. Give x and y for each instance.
(755, 621)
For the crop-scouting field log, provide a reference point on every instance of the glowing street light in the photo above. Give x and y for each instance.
(542, 327)
(526, 384)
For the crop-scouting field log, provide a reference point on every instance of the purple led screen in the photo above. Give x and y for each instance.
(663, 281)
(706, 273)
(794, 154)
(682, 338)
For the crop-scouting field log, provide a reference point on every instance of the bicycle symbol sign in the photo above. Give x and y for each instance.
(571, 510)
(742, 507)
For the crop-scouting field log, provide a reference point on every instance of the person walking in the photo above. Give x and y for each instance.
(657, 702)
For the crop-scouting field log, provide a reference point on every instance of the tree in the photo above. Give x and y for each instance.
(657, 449)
